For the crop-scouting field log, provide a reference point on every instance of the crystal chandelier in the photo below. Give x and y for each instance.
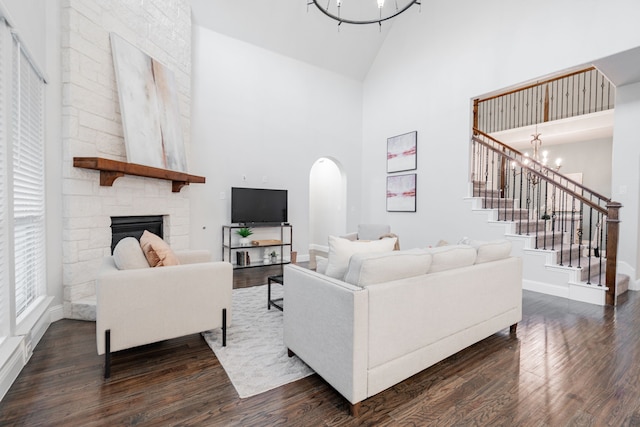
(536, 143)
(355, 12)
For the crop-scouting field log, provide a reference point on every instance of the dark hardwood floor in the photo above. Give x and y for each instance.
(571, 364)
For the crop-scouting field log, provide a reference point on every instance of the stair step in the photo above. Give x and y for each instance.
(622, 283)
(486, 194)
(548, 241)
(591, 268)
(495, 203)
(527, 226)
(513, 214)
(568, 254)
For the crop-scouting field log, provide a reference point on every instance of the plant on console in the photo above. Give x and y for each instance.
(244, 234)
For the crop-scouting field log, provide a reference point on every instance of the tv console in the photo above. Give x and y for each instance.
(272, 237)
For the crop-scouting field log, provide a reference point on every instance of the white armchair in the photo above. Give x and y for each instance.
(145, 305)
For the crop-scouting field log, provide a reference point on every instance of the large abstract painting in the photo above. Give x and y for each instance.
(149, 107)
(401, 193)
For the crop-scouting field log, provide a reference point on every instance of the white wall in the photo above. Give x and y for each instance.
(268, 118)
(434, 62)
(626, 177)
(29, 17)
(591, 158)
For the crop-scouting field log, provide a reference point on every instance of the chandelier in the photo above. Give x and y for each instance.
(356, 12)
(536, 143)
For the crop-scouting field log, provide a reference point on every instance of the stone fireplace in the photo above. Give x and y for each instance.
(92, 127)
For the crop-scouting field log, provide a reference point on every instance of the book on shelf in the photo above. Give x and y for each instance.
(243, 258)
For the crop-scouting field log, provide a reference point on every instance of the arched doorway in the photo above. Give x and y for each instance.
(327, 200)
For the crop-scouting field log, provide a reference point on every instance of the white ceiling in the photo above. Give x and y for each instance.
(293, 29)
(300, 31)
(588, 127)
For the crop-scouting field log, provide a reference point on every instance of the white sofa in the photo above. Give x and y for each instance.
(397, 313)
(144, 305)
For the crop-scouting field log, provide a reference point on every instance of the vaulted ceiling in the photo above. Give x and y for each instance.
(300, 31)
(296, 30)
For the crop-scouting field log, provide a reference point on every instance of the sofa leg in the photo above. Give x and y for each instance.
(354, 409)
(224, 327)
(290, 353)
(512, 329)
(107, 353)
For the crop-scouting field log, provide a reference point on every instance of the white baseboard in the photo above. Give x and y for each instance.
(572, 291)
(545, 288)
(11, 362)
(56, 313)
(16, 351)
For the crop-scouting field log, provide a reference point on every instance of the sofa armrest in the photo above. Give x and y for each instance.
(351, 236)
(325, 324)
(152, 304)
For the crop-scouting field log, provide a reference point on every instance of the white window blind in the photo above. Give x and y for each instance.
(5, 58)
(27, 128)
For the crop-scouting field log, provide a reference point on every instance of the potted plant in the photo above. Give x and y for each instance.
(274, 257)
(244, 234)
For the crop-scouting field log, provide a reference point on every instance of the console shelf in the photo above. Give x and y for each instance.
(283, 247)
(110, 170)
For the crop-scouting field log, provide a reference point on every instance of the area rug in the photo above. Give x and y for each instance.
(255, 358)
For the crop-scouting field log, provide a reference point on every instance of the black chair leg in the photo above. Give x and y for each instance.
(224, 327)
(107, 353)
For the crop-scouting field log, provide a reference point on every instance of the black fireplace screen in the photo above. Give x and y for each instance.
(134, 226)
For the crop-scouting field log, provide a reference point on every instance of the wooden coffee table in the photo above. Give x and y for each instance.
(278, 302)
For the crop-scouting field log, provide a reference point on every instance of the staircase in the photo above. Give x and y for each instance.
(566, 234)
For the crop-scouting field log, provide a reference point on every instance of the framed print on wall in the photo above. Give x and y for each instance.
(402, 152)
(401, 193)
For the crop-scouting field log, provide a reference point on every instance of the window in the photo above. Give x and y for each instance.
(22, 213)
(4, 235)
(27, 140)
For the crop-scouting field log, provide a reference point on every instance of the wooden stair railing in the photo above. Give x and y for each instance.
(568, 95)
(544, 202)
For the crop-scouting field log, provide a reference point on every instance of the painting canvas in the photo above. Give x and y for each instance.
(149, 107)
(402, 152)
(401, 193)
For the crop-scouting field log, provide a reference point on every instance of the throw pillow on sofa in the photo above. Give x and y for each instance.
(450, 257)
(128, 255)
(371, 268)
(157, 251)
(340, 251)
(491, 251)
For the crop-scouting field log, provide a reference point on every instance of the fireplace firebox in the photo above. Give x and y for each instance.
(134, 226)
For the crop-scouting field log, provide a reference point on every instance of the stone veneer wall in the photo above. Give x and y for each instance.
(92, 127)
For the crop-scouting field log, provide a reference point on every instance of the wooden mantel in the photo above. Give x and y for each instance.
(110, 170)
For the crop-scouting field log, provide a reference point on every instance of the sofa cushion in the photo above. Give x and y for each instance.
(491, 251)
(128, 254)
(340, 251)
(450, 257)
(157, 251)
(321, 264)
(371, 268)
(372, 231)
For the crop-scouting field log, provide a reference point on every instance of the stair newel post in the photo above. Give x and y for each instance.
(476, 103)
(613, 230)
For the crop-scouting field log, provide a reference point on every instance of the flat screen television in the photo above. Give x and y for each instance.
(258, 206)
